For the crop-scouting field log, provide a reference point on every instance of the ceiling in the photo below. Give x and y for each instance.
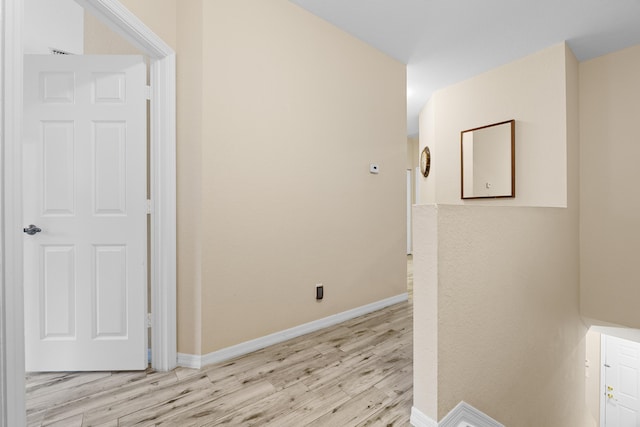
(447, 41)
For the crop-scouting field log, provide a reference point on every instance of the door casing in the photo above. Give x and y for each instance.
(163, 195)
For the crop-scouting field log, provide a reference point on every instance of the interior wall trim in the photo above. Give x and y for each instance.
(419, 419)
(197, 361)
(12, 382)
(463, 415)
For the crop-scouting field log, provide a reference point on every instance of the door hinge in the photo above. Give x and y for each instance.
(147, 92)
(149, 320)
(149, 207)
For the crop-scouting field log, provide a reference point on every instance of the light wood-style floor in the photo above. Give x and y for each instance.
(358, 373)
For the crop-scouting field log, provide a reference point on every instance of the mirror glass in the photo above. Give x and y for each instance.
(488, 161)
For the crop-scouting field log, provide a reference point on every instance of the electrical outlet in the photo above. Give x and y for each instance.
(319, 291)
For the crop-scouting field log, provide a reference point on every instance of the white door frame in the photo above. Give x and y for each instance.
(163, 195)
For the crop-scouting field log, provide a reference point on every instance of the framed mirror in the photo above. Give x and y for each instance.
(488, 161)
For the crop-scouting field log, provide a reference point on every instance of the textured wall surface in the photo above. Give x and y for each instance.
(510, 339)
(425, 314)
(609, 221)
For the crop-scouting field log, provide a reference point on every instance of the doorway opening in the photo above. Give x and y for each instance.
(413, 183)
(163, 225)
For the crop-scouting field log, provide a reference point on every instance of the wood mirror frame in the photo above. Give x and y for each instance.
(487, 159)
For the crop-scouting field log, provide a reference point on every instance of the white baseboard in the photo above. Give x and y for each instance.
(419, 419)
(196, 361)
(189, 361)
(463, 415)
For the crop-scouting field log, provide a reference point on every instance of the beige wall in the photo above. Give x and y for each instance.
(159, 15)
(507, 337)
(279, 116)
(413, 158)
(189, 185)
(425, 313)
(100, 40)
(609, 220)
(510, 340)
(528, 91)
(592, 375)
(294, 110)
(610, 236)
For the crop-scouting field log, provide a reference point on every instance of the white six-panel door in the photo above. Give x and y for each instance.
(621, 382)
(84, 186)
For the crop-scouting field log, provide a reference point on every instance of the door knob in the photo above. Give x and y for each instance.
(31, 230)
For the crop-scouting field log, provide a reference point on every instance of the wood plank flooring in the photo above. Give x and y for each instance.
(358, 373)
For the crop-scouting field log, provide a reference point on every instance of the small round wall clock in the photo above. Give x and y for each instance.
(425, 162)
